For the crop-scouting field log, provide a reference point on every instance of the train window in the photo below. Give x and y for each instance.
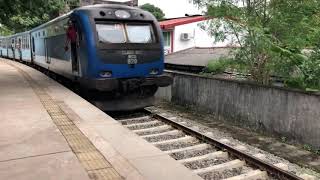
(38, 34)
(44, 33)
(111, 33)
(140, 33)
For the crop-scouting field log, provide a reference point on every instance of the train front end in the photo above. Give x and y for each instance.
(125, 57)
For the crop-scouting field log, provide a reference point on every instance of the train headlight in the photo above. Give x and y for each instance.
(154, 71)
(122, 14)
(106, 74)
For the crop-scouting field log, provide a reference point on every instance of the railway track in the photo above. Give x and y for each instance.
(205, 156)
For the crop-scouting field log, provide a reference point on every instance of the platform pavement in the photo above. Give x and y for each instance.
(33, 145)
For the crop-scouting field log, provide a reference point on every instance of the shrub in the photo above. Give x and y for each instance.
(218, 66)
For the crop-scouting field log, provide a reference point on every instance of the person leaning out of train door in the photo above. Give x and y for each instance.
(72, 38)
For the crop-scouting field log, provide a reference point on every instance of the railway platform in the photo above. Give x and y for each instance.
(49, 132)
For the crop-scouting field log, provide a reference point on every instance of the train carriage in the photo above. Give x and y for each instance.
(48, 42)
(3, 46)
(19, 47)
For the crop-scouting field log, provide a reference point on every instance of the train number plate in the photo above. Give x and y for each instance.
(132, 59)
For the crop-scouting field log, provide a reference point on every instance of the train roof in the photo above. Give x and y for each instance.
(51, 21)
(15, 35)
(89, 8)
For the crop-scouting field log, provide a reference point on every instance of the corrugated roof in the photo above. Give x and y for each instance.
(169, 24)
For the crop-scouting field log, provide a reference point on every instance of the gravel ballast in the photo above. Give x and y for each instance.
(139, 126)
(165, 137)
(177, 145)
(190, 154)
(154, 132)
(205, 163)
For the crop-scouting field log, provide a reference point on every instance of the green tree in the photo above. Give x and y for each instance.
(4, 31)
(22, 15)
(157, 12)
(271, 33)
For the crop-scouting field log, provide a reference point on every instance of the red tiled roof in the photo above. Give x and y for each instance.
(168, 24)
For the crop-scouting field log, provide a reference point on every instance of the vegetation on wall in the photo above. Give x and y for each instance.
(157, 12)
(272, 35)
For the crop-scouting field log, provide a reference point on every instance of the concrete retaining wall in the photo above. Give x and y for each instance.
(288, 113)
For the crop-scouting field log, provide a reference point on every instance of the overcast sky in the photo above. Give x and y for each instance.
(174, 8)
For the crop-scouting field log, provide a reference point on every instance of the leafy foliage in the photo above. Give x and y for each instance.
(4, 30)
(218, 66)
(157, 12)
(271, 34)
(22, 15)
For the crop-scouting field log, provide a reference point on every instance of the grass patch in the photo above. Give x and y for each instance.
(224, 64)
(218, 66)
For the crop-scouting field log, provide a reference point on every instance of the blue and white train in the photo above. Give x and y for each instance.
(120, 57)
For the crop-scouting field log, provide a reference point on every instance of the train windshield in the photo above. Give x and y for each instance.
(111, 33)
(139, 33)
(125, 33)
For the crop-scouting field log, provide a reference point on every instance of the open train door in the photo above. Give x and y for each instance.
(75, 49)
(32, 47)
(47, 46)
(75, 58)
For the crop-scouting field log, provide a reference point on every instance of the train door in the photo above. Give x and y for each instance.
(46, 49)
(19, 49)
(33, 47)
(1, 46)
(73, 37)
(7, 46)
(13, 45)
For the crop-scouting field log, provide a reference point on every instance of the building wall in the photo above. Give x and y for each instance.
(278, 111)
(179, 44)
(199, 37)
